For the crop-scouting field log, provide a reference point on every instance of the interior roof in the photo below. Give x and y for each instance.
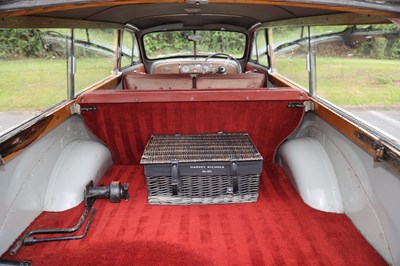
(144, 16)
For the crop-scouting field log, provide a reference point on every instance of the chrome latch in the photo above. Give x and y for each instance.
(307, 105)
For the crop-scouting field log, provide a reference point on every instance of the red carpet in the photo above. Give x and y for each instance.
(126, 127)
(277, 230)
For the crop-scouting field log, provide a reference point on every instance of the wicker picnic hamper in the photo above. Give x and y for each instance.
(202, 169)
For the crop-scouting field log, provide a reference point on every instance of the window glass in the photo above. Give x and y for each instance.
(262, 48)
(127, 48)
(33, 73)
(358, 70)
(232, 43)
(253, 55)
(192, 43)
(136, 55)
(290, 46)
(94, 52)
(259, 48)
(130, 49)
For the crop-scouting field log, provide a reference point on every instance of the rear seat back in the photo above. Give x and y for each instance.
(226, 81)
(139, 81)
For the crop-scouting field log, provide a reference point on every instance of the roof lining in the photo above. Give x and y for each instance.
(132, 22)
(286, 10)
(98, 12)
(390, 9)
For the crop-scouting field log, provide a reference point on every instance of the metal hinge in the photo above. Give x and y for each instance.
(75, 109)
(309, 106)
(373, 143)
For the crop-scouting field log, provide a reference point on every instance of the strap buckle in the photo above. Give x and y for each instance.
(174, 177)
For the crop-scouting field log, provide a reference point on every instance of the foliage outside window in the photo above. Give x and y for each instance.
(290, 46)
(94, 51)
(193, 43)
(358, 70)
(33, 73)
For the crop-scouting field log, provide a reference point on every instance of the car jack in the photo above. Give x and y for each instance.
(115, 192)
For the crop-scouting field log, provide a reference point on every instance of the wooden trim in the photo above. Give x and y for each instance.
(223, 95)
(17, 143)
(45, 22)
(336, 7)
(280, 82)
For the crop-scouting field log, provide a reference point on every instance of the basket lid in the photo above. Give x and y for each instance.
(208, 147)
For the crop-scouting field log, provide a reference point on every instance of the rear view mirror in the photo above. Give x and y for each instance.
(194, 38)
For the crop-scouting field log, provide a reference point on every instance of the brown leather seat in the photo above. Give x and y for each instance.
(226, 81)
(138, 81)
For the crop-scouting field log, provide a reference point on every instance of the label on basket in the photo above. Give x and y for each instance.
(208, 169)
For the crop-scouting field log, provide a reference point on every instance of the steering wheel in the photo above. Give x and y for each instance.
(221, 69)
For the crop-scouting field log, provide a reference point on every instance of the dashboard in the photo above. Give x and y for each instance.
(193, 66)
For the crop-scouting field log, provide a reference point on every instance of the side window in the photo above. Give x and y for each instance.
(358, 70)
(34, 67)
(130, 50)
(290, 44)
(94, 52)
(259, 52)
(33, 73)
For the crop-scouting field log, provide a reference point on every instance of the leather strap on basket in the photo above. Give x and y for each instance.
(234, 176)
(174, 177)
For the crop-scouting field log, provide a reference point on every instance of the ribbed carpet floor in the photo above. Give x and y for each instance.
(277, 230)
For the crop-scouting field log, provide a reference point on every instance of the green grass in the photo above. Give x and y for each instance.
(349, 81)
(37, 84)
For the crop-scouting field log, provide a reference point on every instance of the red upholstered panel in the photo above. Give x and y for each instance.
(126, 127)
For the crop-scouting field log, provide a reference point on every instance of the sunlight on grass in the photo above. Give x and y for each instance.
(350, 81)
(37, 84)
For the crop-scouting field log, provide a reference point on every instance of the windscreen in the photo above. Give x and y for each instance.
(193, 43)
